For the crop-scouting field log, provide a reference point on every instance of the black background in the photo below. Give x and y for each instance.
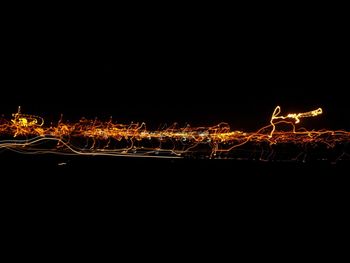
(198, 71)
(161, 69)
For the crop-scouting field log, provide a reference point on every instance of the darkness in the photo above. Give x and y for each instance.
(197, 72)
(164, 72)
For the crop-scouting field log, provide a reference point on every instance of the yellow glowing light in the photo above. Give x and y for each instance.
(295, 116)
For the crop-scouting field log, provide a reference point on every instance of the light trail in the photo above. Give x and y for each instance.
(28, 134)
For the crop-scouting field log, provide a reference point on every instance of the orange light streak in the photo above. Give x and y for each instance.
(28, 133)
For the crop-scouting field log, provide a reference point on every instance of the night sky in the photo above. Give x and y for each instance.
(164, 73)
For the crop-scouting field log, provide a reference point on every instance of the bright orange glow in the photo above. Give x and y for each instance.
(295, 116)
(28, 134)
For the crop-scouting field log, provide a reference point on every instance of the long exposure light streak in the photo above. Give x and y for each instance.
(29, 134)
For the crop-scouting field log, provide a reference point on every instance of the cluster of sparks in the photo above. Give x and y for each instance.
(29, 134)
